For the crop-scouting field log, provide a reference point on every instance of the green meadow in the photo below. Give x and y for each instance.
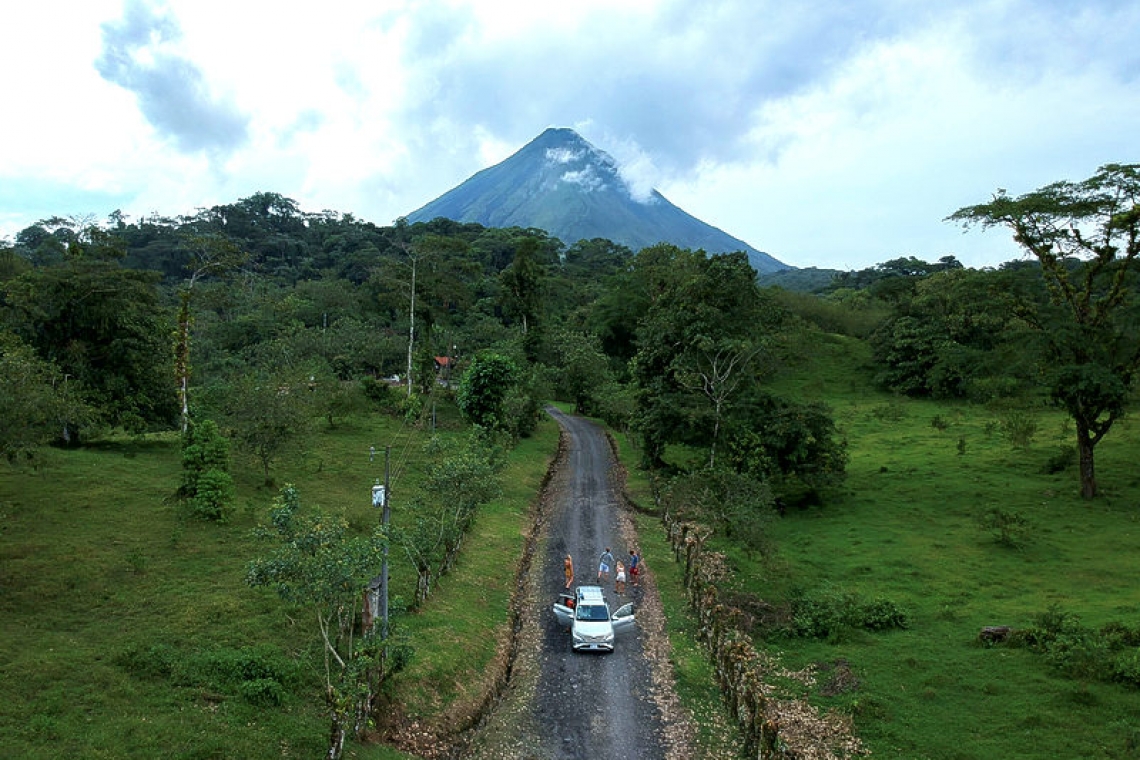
(127, 630)
(913, 526)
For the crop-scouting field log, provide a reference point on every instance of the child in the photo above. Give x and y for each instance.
(619, 579)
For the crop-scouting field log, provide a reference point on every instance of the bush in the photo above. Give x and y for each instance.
(213, 497)
(153, 661)
(262, 692)
(1108, 654)
(1008, 528)
(883, 615)
(380, 393)
(207, 487)
(831, 614)
(1018, 428)
(260, 675)
(1065, 458)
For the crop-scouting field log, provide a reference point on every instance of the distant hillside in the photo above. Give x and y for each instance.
(562, 184)
(805, 280)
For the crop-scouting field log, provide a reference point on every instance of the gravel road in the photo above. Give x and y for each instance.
(559, 704)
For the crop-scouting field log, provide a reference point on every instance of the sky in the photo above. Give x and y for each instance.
(836, 134)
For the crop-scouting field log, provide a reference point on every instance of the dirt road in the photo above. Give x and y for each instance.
(565, 705)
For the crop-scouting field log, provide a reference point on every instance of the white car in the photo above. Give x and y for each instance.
(588, 617)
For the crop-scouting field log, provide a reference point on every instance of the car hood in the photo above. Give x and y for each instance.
(593, 627)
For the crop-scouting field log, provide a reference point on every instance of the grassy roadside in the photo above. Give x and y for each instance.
(122, 623)
(910, 528)
(695, 681)
(459, 635)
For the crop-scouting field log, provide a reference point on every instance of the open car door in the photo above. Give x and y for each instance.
(563, 611)
(622, 619)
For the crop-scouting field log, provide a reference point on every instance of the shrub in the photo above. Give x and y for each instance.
(1065, 458)
(262, 692)
(213, 496)
(1018, 428)
(883, 615)
(831, 615)
(207, 487)
(1008, 528)
(153, 661)
(380, 393)
(260, 675)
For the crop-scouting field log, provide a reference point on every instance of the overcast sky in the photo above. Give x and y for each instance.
(828, 134)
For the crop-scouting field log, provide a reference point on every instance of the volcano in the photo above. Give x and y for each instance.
(562, 184)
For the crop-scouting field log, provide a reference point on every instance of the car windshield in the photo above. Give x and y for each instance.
(592, 612)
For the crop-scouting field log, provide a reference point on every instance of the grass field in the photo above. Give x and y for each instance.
(909, 528)
(122, 622)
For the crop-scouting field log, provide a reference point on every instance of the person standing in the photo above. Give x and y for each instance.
(605, 562)
(619, 579)
(568, 570)
(634, 566)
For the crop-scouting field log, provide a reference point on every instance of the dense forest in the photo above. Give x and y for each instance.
(147, 324)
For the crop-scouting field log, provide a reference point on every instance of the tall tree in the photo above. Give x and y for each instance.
(522, 284)
(695, 343)
(209, 254)
(1086, 236)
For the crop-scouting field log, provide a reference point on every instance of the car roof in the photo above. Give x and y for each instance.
(591, 593)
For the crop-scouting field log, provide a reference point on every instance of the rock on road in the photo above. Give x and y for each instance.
(560, 704)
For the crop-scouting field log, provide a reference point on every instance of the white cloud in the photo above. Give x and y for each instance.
(587, 179)
(562, 155)
(838, 138)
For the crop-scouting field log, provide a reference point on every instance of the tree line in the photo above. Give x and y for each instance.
(139, 324)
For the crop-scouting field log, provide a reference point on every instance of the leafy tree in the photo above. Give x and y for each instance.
(960, 333)
(793, 446)
(268, 416)
(695, 343)
(1086, 238)
(322, 570)
(104, 327)
(483, 389)
(459, 480)
(522, 292)
(35, 400)
(738, 505)
(522, 405)
(583, 370)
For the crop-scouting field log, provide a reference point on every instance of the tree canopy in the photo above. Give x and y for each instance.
(1086, 237)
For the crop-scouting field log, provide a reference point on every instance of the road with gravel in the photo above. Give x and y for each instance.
(560, 704)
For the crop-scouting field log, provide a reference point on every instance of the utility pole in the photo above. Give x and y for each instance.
(385, 519)
(378, 588)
